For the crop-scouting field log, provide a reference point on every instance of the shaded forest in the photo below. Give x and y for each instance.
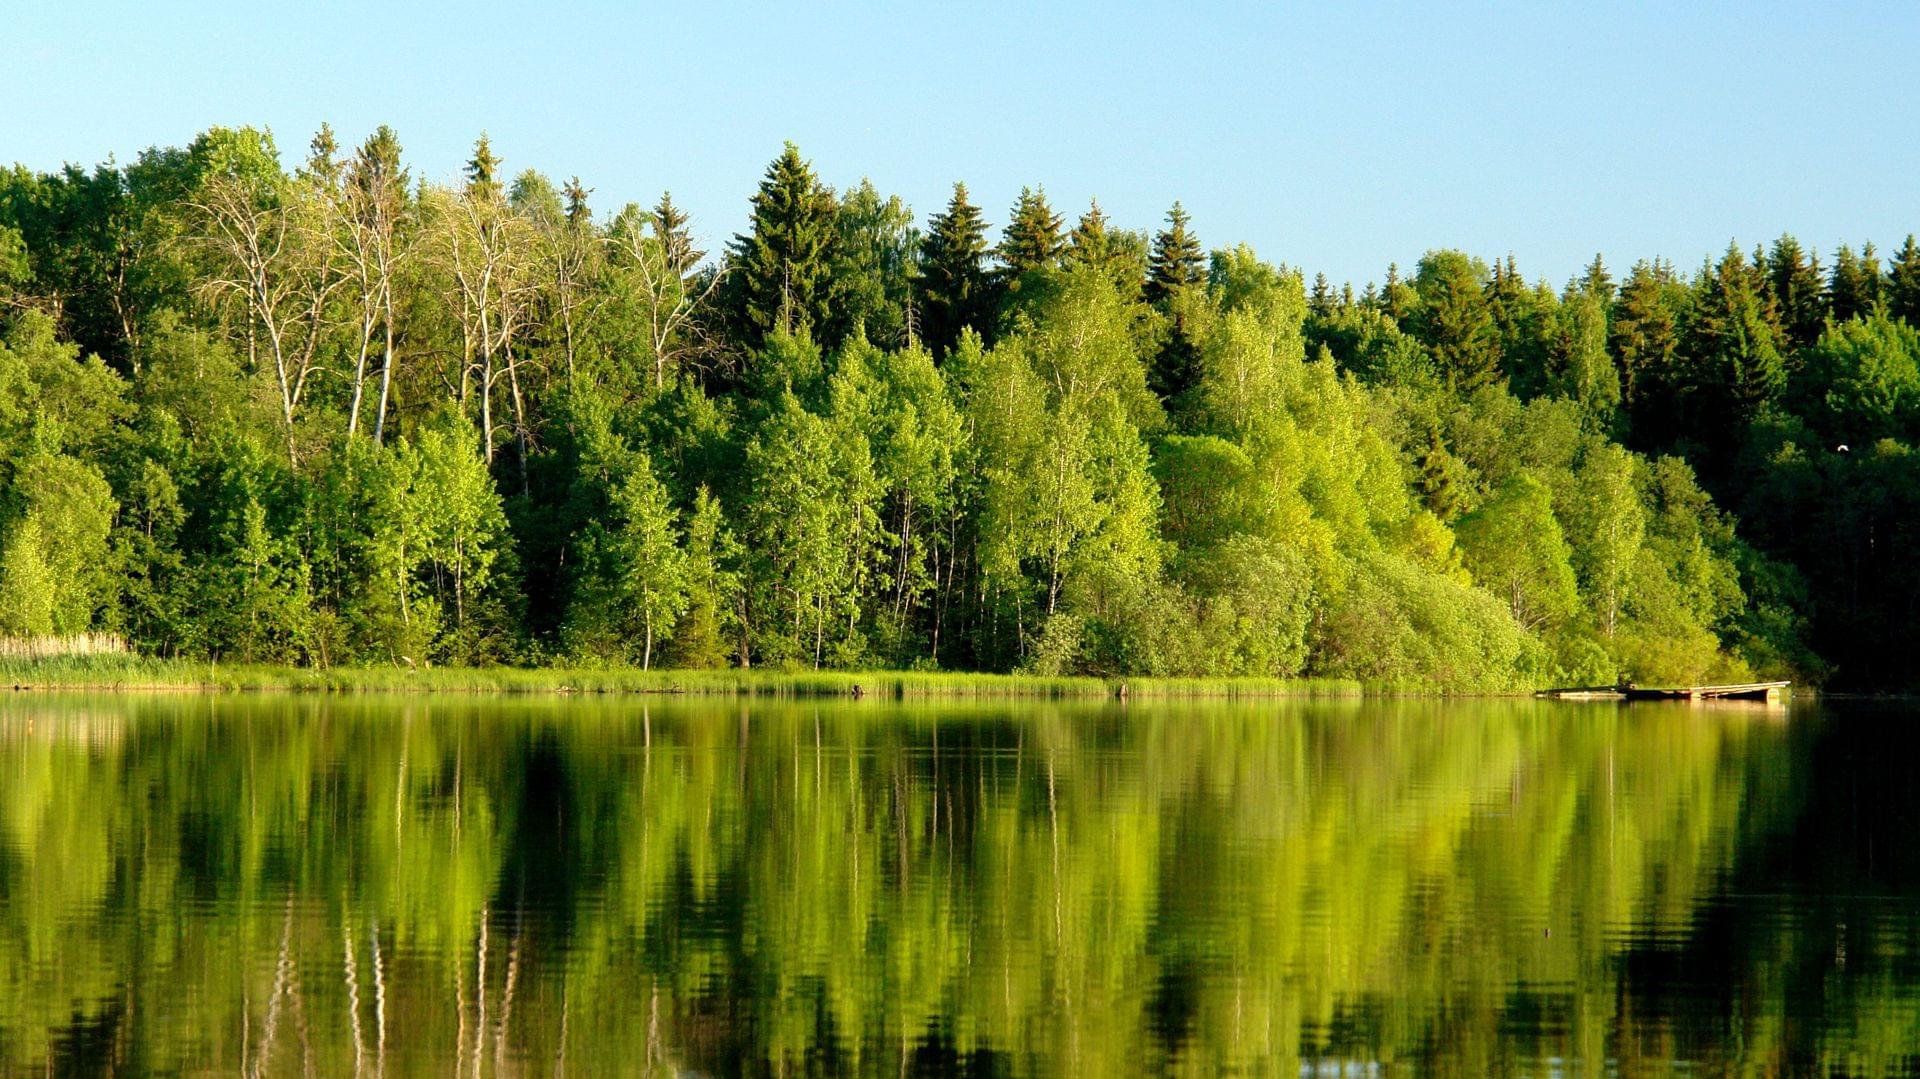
(344, 415)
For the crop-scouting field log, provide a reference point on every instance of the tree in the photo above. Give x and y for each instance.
(1514, 547)
(649, 568)
(1856, 283)
(1798, 291)
(655, 280)
(1731, 342)
(1032, 239)
(1861, 381)
(780, 269)
(954, 280)
(27, 588)
(1177, 262)
(876, 264)
(371, 235)
(1111, 252)
(1451, 317)
(1903, 284)
(1645, 334)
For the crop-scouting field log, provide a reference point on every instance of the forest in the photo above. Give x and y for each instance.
(343, 415)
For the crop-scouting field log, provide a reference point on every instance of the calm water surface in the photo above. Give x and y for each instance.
(319, 886)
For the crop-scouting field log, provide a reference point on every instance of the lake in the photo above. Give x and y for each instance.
(342, 885)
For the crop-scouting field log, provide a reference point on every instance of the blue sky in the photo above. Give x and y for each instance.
(1334, 138)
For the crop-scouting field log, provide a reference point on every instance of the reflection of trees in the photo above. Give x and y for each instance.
(277, 883)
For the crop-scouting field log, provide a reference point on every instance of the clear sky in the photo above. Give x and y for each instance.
(1333, 138)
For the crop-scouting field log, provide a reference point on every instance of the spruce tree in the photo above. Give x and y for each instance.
(1856, 283)
(1597, 282)
(1094, 243)
(1032, 240)
(779, 270)
(954, 293)
(1732, 345)
(1321, 302)
(670, 227)
(483, 169)
(1903, 284)
(1798, 292)
(1177, 261)
(579, 214)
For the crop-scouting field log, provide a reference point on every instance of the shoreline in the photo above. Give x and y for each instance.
(141, 675)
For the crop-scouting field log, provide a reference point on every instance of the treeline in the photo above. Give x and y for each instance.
(343, 415)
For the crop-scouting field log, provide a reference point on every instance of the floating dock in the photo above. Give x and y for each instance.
(1627, 691)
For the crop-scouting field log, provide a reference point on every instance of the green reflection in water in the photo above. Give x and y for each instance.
(336, 885)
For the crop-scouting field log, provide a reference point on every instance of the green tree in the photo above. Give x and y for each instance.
(1793, 277)
(1177, 262)
(1452, 318)
(27, 588)
(780, 269)
(1515, 548)
(1032, 239)
(1903, 283)
(954, 280)
(1856, 284)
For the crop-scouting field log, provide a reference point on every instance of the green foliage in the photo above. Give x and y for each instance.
(334, 417)
(780, 269)
(954, 280)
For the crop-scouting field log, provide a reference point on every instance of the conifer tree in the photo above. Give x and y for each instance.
(483, 169)
(1799, 294)
(579, 214)
(1903, 284)
(1321, 302)
(1095, 243)
(1177, 261)
(779, 269)
(1597, 282)
(1032, 240)
(1856, 283)
(1644, 335)
(955, 288)
(670, 227)
(1732, 344)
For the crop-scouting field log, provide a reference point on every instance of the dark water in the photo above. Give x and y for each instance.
(331, 886)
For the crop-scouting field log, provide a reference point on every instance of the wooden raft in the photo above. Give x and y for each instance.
(1627, 691)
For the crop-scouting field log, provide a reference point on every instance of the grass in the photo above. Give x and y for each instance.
(133, 672)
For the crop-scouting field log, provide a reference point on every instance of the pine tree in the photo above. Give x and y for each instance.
(1644, 335)
(1032, 239)
(1597, 282)
(1516, 320)
(779, 275)
(1731, 343)
(955, 289)
(1903, 285)
(670, 227)
(1177, 261)
(578, 213)
(1321, 302)
(1799, 294)
(1094, 243)
(1856, 283)
(483, 169)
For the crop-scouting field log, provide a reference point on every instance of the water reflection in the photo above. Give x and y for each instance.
(308, 885)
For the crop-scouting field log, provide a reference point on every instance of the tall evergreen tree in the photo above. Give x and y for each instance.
(1094, 242)
(1453, 320)
(1645, 333)
(1903, 284)
(670, 228)
(1799, 293)
(1032, 239)
(955, 291)
(1177, 260)
(483, 169)
(1596, 281)
(1856, 283)
(1735, 359)
(779, 275)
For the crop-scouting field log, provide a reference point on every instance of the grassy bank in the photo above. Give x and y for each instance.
(127, 672)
